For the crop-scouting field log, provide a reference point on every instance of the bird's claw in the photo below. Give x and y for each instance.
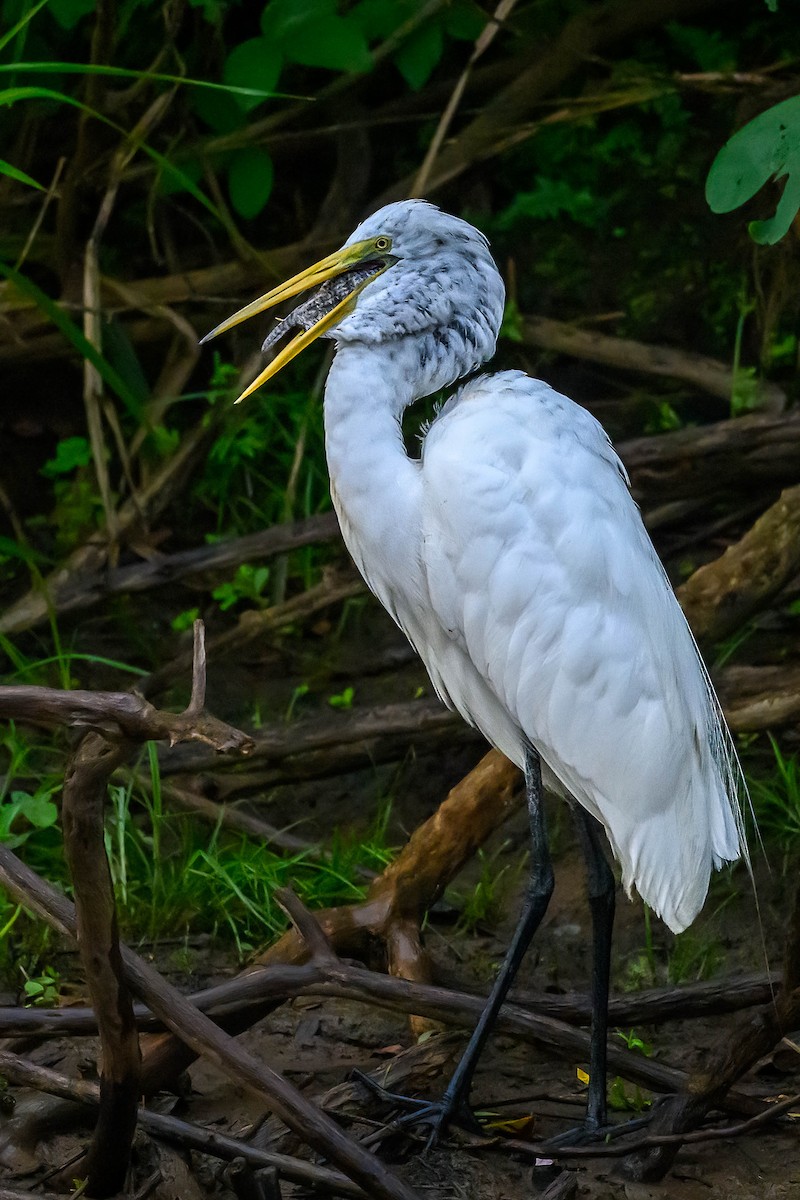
(437, 1115)
(586, 1135)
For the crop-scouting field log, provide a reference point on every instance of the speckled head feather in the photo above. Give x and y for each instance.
(444, 291)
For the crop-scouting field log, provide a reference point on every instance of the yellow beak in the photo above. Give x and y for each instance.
(328, 268)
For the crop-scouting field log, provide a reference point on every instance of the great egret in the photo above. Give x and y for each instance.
(515, 560)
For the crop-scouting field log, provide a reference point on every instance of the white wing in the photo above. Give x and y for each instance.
(556, 622)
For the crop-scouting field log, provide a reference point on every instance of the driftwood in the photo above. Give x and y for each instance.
(693, 464)
(648, 1007)
(707, 374)
(719, 597)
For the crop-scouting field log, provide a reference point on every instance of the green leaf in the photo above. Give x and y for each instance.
(38, 809)
(768, 147)
(419, 54)
(69, 12)
(14, 173)
(380, 18)
(337, 43)
(287, 18)
(71, 453)
(253, 64)
(250, 180)
(464, 20)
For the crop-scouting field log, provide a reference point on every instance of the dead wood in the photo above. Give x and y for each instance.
(199, 1033)
(189, 566)
(119, 716)
(715, 461)
(707, 374)
(95, 926)
(321, 746)
(650, 1007)
(83, 804)
(759, 697)
(720, 596)
(24, 1073)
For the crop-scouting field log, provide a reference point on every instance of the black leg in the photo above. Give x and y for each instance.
(601, 905)
(537, 897)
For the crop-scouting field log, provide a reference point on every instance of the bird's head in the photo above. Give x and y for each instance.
(409, 271)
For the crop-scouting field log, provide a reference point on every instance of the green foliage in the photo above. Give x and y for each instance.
(170, 876)
(343, 699)
(41, 989)
(486, 901)
(768, 147)
(23, 809)
(71, 453)
(776, 800)
(247, 584)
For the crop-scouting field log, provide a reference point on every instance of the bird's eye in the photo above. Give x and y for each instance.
(382, 243)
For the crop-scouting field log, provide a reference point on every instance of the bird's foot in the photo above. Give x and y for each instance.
(434, 1115)
(592, 1132)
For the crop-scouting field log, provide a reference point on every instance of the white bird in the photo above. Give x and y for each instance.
(516, 562)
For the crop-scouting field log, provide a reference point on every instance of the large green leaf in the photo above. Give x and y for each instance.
(419, 54)
(254, 64)
(768, 147)
(312, 33)
(250, 180)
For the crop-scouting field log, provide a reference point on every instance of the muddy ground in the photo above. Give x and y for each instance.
(317, 1043)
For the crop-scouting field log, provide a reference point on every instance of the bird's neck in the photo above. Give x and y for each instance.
(375, 486)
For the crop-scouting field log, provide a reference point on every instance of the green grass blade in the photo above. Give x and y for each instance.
(75, 335)
(20, 25)
(70, 68)
(15, 94)
(13, 172)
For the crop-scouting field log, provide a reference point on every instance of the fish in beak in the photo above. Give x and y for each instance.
(337, 280)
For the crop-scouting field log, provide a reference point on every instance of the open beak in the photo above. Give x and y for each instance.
(348, 259)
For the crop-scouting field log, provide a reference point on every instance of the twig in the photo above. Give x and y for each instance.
(484, 40)
(279, 982)
(198, 697)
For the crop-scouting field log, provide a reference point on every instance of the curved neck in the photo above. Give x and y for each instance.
(375, 486)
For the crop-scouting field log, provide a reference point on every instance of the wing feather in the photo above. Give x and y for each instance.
(556, 623)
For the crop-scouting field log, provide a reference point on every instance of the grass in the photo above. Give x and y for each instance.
(173, 876)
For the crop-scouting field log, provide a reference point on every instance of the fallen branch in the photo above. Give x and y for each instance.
(719, 597)
(708, 374)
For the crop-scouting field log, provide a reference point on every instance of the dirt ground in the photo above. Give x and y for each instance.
(317, 1043)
